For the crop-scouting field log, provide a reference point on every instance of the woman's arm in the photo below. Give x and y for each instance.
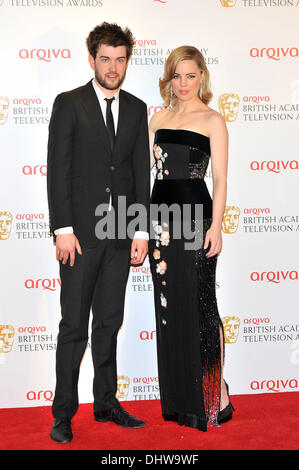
(219, 161)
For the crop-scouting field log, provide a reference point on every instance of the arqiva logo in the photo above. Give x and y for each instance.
(145, 380)
(147, 335)
(256, 99)
(46, 395)
(155, 109)
(145, 42)
(274, 166)
(274, 385)
(274, 276)
(40, 170)
(256, 210)
(256, 321)
(32, 329)
(45, 284)
(274, 53)
(30, 217)
(27, 101)
(45, 54)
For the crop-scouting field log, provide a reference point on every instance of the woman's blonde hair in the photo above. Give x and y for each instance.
(176, 56)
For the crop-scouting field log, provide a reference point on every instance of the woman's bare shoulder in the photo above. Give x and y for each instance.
(215, 122)
(157, 119)
(214, 116)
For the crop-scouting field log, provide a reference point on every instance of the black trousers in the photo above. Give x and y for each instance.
(98, 279)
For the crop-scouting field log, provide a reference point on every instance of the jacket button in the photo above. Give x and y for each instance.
(112, 168)
(107, 190)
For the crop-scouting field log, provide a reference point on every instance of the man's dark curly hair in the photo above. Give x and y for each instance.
(110, 34)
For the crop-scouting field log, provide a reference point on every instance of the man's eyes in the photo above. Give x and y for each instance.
(106, 59)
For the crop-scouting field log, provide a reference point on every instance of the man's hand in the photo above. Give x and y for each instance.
(66, 246)
(139, 249)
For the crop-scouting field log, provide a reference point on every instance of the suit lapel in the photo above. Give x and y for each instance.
(93, 108)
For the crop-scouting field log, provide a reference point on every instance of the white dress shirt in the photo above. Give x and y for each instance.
(115, 111)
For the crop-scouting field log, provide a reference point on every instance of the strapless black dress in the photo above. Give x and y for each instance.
(187, 320)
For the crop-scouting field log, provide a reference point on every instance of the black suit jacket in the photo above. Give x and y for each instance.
(83, 171)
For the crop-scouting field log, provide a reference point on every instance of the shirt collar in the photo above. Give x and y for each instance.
(101, 96)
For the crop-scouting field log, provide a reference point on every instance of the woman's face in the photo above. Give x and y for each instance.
(186, 80)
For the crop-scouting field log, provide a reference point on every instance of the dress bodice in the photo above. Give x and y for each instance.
(181, 154)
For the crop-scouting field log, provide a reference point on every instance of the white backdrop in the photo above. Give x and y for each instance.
(251, 49)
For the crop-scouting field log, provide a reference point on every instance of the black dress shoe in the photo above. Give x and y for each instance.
(61, 431)
(120, 417)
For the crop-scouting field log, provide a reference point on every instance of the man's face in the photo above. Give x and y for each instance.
(110, 66)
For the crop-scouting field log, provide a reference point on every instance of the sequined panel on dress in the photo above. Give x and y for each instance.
(210, 322)
(198, 163)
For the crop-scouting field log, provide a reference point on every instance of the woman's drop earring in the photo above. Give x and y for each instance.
(170, 96)
(200, 90)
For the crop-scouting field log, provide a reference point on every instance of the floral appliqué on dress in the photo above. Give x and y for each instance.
(162, 237)
(160, 162)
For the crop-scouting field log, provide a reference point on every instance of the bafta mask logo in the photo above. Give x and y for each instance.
(228, 104)
(228, 3)
(4, 105)
(231, 329)
(5, 224)
(7, 333)
(230, 221)
(123, 384)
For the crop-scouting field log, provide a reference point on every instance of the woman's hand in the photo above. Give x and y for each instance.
(214, 237)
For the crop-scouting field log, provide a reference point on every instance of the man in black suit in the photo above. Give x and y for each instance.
(97, 151)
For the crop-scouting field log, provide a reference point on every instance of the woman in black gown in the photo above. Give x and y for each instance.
(190, 339)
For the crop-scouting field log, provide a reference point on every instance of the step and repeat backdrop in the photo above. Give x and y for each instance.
(251, 48)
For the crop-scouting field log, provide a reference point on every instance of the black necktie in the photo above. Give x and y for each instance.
(110, 122)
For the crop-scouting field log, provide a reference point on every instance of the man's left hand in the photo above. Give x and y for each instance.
(139, 249)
